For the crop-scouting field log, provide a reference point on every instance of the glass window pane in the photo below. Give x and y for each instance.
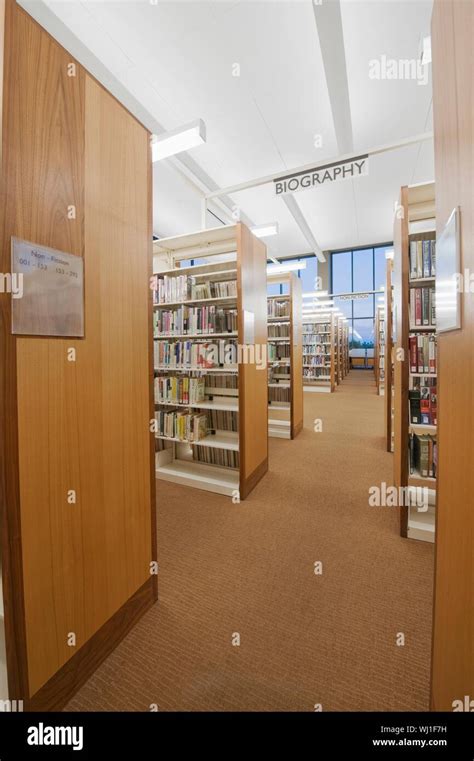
(364, 333)
(363, 263)
(341, 272)
(308, 275)
(345, 305)
(273, 289)
(364, 307)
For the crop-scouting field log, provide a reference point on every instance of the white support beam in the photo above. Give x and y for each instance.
(309, 167)
(298, 216)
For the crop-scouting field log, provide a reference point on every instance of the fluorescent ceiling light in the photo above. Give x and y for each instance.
(263, 231)
(178, 140)
(315, 294)
(279, 269)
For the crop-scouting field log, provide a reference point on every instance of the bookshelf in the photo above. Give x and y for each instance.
(318, 353)
(415, 365)
(210, 348)
(389, 369)
(379, 364)
(346, 348)
(285, 381)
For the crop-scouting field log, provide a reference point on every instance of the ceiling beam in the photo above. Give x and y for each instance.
(298, 216)
(328, 20)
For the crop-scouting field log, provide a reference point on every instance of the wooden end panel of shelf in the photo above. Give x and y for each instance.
(296, 357)
(80, 425)
(253, 389)
(453, 108)
(388, 355)
(400, 278)
(54, 695)
(333, 352)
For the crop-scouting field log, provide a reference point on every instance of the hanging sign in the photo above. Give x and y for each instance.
(322, 175)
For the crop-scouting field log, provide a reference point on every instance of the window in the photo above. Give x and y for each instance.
(307, 275)
(360, 269)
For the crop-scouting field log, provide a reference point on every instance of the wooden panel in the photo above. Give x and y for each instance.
(388, 355)
(78, 425)
(297, 357)
(401, 362)
(115, 355)
(253, 420)
(453, 635)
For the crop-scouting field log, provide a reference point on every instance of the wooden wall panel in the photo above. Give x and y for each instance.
(453, 633)
(81, 425)
(252, 285)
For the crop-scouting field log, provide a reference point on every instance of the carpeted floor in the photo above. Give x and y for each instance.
(249, 569)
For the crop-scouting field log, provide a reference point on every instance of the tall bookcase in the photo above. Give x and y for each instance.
(318, 353)
(285, 382)
(210, 337)
(415, 378)
(380, 335)
(345, 328)
(389, 369)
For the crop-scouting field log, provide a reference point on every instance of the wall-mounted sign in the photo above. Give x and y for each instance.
(52, 302)
(322, 175)
(448, 275)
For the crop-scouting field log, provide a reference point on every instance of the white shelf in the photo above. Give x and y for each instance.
(212, 300)
(421, 525)
(416, 280)
(204, 370)
(422, 428)
(417, 328)
(283, 384)
(279, 406)
(206, 336)
(191, 270)
(230, 403)
(200, 475)
(219, 440)
(278, 340)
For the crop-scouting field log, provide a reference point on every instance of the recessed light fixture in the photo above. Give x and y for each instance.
(280, 269)
(263, 231)
(178, 140)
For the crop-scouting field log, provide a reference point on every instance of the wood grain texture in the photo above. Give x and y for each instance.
(453, 632)
(296, 356)
(76, 671)
(253, 406)
(80, 425)
(388, 354)
(401, 363)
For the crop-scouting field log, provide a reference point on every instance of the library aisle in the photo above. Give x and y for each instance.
(248, 569)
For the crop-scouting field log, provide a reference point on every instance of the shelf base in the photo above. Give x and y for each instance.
(200, 476)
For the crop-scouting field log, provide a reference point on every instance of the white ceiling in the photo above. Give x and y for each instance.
(176, 58)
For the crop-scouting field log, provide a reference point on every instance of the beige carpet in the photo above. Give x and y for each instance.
(249, 568)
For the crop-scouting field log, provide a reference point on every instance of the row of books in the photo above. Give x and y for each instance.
(174, 288)
(315, 338)
(222, 380)
(203, 354)
(315, 373)
(314, 361)
(422, 307)
(423, 455)
(422, 396)
(316, 327)
(278, 330)
(277, 308)
(422, 258)
(276, 394)
(422, 353)
(226, 458)
(278, 351)
(314, 349)
(185, 426)
(179, 389)
(206, 319)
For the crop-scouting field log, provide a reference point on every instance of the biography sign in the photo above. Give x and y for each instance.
(50, 301)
